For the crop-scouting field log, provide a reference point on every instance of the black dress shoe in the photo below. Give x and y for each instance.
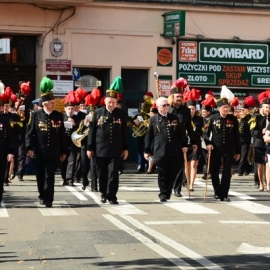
(6, 184)
(94, 189)
(113, 201)
(103, 199)
(48, 204)
(163, 200)
(246, 173)
(225, 200)
(240, 174)
(70, 183)
(177, 194)
(83, 187)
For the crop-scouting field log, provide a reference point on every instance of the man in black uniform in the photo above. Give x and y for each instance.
(165, 140)
(184, 117)
(6, 147)
(245, 137)
(107, 140)
(46, 142)
(222, 138)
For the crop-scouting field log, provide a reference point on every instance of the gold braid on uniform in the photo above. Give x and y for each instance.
(252, 122)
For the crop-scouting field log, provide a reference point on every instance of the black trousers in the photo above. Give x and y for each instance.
(168, 168)
(221, 187)
(108, 175)
(45, 174)
(3, 168)
(68, 166)
(243, 163)
(177, 185)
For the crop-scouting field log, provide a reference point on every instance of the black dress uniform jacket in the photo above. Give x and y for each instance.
(165, 139)
(167, 136)
(261, 123)
(108, 133)
(46, 135)
(244, 129)
(224, 133)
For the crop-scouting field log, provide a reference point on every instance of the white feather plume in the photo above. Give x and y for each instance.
(226, 93)
(2, 88)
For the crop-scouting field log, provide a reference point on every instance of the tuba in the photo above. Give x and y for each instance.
(78, 135)
(141, 123)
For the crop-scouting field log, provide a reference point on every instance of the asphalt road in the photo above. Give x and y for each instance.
(184, 233)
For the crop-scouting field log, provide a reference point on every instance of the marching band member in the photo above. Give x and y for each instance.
(183, 113)
(68, 166)
(91, 101)
(6, 145)
(207, 106)
(16, 125)
(107, 141)
(197, 125)
(165, 141)
(80, 95)
(245, 135)
(222, 138)
(258, 124)
(46, 142)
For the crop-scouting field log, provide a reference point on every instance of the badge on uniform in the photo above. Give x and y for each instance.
(42, 126)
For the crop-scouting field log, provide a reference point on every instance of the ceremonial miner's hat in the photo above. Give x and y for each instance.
(192, 96)
(46, 86)
(70, 99)
(226, 96)
(249, 102)
(115, 88)
(179, 86)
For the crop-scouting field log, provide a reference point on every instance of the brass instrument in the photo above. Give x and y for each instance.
(78, 135)
(139, 128)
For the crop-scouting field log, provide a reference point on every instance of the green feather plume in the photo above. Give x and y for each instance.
(117, 85)
(46, 85)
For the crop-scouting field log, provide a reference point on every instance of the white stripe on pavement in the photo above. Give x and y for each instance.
(244, 222)
(252, 250)
(172, 222)
(123, 208)
(57, 209)
(76, 193)
(251, 207)
(168, 241)
(3, 210)
(138, 188)
(149, 243)
(188, 207)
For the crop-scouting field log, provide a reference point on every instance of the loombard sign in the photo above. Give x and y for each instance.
(241, 65)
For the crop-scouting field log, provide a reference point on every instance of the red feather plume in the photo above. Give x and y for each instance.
(8, 92)
(263, 95)
(250, 101)
(82, 93)
(120, 96)
(96, 93)
(209, 101)
(102, 101)
(181, 83)
(25, 88)
(13, 97)
(234, 102)
(70, 97)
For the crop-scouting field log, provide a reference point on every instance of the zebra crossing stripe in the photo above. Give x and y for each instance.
(3, 210)
(78, 194)
(60, 208)
(188, 207)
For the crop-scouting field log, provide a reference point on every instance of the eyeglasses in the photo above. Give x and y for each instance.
(165, 105)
